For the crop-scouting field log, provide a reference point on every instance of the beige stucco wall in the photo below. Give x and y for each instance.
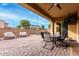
(55, 25)
(72, 31)
(78, 30)
(51, 27)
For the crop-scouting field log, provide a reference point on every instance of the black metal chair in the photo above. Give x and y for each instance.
(56, 41)
(42, 35)
(47, 38)
(61, 40)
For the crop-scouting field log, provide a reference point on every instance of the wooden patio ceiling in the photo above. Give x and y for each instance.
(42, 9)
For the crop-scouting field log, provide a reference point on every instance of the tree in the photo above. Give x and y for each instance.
(42, 27)
(25, 23)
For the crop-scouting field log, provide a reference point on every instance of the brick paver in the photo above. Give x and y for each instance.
(29, 46)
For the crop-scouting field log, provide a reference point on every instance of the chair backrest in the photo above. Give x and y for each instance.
(56, 34)
(42, 35)
(61, 38)
(8, 34)
(23, 33)
(47, 36)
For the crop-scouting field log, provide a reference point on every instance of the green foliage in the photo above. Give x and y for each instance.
(24, 24)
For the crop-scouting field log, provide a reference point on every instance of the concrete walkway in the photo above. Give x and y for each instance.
(30, 46)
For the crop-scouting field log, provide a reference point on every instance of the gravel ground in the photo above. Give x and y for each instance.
(29, 46)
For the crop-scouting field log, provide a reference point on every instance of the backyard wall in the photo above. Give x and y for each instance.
(16, 31)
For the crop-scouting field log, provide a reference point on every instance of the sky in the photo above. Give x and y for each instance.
(12, 13)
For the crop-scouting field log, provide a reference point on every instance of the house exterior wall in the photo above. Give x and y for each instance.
(16, 31)
(51, 27)
(3, 24)
(72, 31)
(55, 25)
(78, 30)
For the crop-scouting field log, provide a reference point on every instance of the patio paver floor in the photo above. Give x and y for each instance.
(30, 46)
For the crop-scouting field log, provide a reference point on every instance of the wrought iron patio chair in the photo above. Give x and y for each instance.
(58, 39)
(47, 39)
(60, 42)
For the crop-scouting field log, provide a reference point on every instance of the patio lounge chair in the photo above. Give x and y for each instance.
(9, 35)
(47, 39)
(22, 34)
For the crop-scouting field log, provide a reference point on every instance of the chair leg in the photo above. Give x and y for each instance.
(45, 44)
(53, 45)
(48, 48)
(56, 44)
(67, 45)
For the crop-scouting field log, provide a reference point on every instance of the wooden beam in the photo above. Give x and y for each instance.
(36, 7)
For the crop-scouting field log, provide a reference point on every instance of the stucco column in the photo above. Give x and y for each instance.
(51, 29)
(77, 30)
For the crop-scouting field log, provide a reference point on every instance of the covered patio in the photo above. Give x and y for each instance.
(63, 17)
